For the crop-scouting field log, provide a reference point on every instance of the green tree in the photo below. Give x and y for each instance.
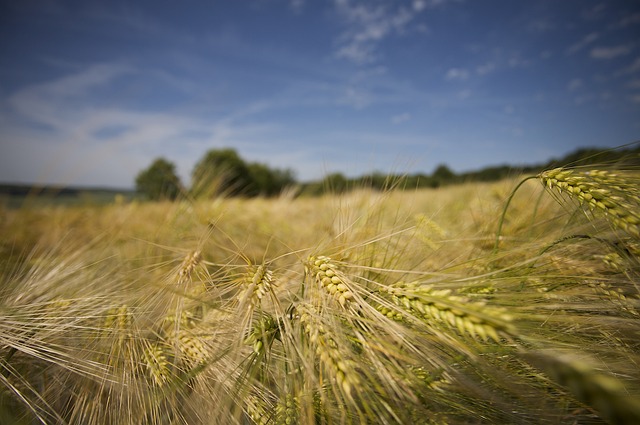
(443, 175)
(335, 183)
(221, 172)
(159, 181)
(267, 181)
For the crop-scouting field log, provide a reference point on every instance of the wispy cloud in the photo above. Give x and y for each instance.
(37, 102)
(357, 98)
(606, 53)
(78, 139)
(399, 119)
(629, 20)
(584, 42)
(456, 74)
(368, 23)
(633, 68)
(485, 68)
(574, 84)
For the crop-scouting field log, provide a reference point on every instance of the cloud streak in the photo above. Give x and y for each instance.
(368, 24)
(607, 53)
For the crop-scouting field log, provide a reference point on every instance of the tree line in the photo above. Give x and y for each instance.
(222, 172)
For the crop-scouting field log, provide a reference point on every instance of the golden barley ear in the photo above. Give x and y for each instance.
(604, 393)
(614, 194)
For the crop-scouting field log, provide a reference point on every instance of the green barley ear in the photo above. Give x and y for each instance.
(257, 410)
(258, 282)
(440, 306)
(328, 275)
(342, 370)
(287, 411)
(606, 394)
(264, 332)
(614, 194)
(155, 360)
(119, 319)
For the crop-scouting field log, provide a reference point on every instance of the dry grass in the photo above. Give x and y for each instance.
(387, 308)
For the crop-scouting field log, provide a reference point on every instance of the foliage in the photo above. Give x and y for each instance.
(224, 172)
(361, 307)
(220, 172)
(159, 181)
(267, 181)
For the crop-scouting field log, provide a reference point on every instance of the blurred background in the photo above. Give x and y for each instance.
(91, 92)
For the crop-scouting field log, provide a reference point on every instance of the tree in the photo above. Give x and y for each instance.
(267, 181)
(443, 175)
(221, 172)
(159, 181)
(335, 183)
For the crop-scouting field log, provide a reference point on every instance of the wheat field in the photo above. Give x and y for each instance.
(513, 302)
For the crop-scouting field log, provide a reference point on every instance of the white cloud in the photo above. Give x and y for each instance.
(38, 102)
(297, 5)
(78, 140)
(419, 5)
(368, 24)
(486, 68)
(631, 69)
(635, 98)
(586, 40)
(574, 84)
(541, 25)
(464, 94)
(634, 84)
(459, 74)
(629, 20)
(399, 119)
(356, 98)
(606, 53)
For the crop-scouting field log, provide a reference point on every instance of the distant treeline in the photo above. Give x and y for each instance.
(443, 176)
(53, 191)
(224, 173)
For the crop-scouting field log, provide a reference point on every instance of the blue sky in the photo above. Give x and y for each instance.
(92, 91)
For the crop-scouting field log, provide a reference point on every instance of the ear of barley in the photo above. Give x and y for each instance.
(155, 360)
(192, 347)
(257, 282)
(600, 190)
(119, 318)
(264, 332)
(332, 280)
(287, 411)
(188, 265)
(340, 368)
(257, 410)
(439, 306)
(604, 393)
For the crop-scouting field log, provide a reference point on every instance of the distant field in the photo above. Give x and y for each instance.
(18, 196)
(466, 304)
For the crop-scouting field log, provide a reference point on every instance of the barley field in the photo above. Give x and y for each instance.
(506, 303)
